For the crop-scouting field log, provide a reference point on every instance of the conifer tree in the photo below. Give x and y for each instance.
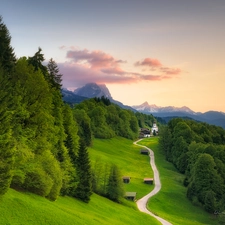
(55, 78)
(114, 189)
(37, 60)
(6, 141)
(84, 125)
(7, 56)
(84, 189)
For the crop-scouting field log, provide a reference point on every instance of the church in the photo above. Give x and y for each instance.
(154, 128)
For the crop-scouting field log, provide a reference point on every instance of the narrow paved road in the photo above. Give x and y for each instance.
(142, 203)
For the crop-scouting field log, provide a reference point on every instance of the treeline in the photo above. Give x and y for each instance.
(43, 141)
(100, 118)
(144, 120)
(198, 151)
(39, 143)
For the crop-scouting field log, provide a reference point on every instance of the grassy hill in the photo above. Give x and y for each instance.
(170, 203)
(26, 208)
(123, 153)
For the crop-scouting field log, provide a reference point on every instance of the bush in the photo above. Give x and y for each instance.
(38, 181)
(51, 166)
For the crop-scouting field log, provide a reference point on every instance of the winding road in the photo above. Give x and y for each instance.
(142, 203)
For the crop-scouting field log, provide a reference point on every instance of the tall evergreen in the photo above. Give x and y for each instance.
(84, 125)
(72, 144)
(37, 60)
(114, 190)
(55, 78)
(6, 141)
(7, 56)
(84, 189)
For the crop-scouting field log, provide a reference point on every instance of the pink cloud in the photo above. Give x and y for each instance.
(116, 70)
(149, 62)
(96, 59)
(170, 71)
(156, 65)
(97, 66)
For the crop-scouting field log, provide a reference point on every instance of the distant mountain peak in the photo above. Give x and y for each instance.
(146, 108)
(91, 90)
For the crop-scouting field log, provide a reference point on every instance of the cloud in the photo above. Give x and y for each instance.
(84, 66)
(170, 71)
(96, 59)
(156, 65)
(149, 62)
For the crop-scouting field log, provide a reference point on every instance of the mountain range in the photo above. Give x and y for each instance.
(92, 90)
(169, 112)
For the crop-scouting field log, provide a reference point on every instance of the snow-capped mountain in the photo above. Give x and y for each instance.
(146, 108)
(169, 112)
(92, 90)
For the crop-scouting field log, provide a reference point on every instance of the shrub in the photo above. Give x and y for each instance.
(38, 181)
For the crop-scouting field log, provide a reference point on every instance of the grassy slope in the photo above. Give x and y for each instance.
(26, 208)
(171, 202)
(127, 157)
(21, 208)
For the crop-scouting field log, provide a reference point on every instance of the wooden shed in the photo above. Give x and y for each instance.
(126, 180)
(148, 180)
(144, 151)
(131, 196)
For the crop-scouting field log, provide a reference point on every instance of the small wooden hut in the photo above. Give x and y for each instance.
(148, 180)
(131, 196)
(144, 151)
(126, 180)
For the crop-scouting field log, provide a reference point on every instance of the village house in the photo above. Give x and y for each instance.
(144, 132)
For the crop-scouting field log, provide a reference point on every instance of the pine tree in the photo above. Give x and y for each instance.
(71, 129)
(84, 189)
(37, 60)
(84, 125)
(7, 56)
(55, 78)
(114, 189)
(6, 140)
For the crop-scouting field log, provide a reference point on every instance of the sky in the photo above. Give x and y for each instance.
(165, 52)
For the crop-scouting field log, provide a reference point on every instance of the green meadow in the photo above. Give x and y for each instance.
(26, 208)
(123, 153)
(171, 202)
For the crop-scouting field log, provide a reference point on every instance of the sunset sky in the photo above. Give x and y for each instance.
(166, 52)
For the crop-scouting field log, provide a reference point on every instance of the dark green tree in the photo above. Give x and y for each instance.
(84, 125)
(114, 190)
(6, 139)
(206, 180)
(71, 130)
(7, 56)
(37, 62)
(55, 78)
(165, 142)
(84, 189)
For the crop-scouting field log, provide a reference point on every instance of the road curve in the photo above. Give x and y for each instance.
(142, 203)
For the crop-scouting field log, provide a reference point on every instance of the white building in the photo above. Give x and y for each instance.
(155, 128)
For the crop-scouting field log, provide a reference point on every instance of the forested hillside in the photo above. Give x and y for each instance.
(43, 140)
(198, 151)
